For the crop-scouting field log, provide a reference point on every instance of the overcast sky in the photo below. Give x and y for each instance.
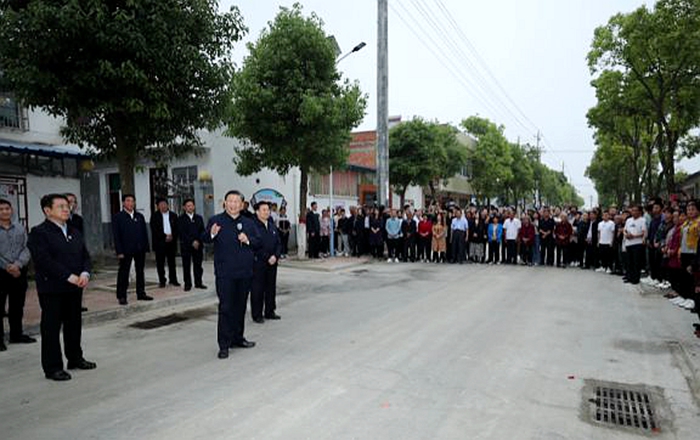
(535, 49)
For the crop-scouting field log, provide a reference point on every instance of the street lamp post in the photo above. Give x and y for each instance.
(330, 183)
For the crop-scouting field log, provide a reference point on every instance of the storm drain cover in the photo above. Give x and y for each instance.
(629, 407)
(159, 322)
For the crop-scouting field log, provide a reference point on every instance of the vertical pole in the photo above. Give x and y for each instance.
(332, 237)
(383, 103)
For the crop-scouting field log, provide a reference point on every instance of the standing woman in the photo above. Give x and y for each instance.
(425, 237)
(536, 255)
(476, 239)
(284, 226)
(393, 237)
(376, 237)
(690, 233)
(563, 232)
(439, 241)
(527, 239)
(325, 232)
(495, 236)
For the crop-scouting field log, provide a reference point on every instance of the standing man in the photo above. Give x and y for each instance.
(235, 240)
(131, 244)
(75, 220)
(313, 230)
(546, 226)
(459, 228)
(262, 299)
(14, 257)
(592, 240)
(190, 229)
(635, 231)
(164, 241)
(512, 227)
(606, 237)
(62, 267)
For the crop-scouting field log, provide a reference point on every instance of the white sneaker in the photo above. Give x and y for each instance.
(396, 260)
(681, 303)
(688, 304)
(677, 300)
(600, 270)
(667, 285)
(389, 260)
(608, 271)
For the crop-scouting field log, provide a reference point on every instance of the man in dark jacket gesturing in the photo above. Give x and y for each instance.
(235, 241)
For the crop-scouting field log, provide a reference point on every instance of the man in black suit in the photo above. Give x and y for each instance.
(62, 271)
(131, 244)
(313, 231)
(190, 229)
(164, 240)
(267, 255)
(235, 241)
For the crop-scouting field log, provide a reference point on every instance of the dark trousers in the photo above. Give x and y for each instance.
(635, 258)
(547, 252)
(494, 248)
(354, 244)
(284, 238)
(123, 276)
(592, 256)
(526, 253)
(655, 259)
(605, 251)
(60, 311)
(264, 291)
(233, 298)
(314, 244)
(563, 255)
(192, 257)
(409, 249)
(394, 247)
(511, 252)
(13, 291)
(458, 246)
(167, 252)
(424, 247)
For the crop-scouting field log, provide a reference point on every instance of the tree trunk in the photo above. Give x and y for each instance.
(403, 196)
(303, 191)
(126, 161)
(431, 185)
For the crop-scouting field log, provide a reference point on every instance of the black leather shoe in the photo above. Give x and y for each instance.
(175, 283)
(82, 364)
(58, 376)
(161, 285)
(200, 286)
(123, 301)
(144, 297)
(223, 354)
(83, 309)
(259, 320)
(273, 316)
(243, 344)
(187, 288)
(23, 339)
(3, 347)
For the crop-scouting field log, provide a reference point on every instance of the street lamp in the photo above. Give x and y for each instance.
(330, 188)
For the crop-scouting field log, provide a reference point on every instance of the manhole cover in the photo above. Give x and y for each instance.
(159, 322)
(629, 407)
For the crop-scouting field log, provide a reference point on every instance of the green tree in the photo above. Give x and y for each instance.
(612, 174)
(423, 153)
(129, 78)
(491, 158)
(522, 181)
(289, 103)
(660, 50)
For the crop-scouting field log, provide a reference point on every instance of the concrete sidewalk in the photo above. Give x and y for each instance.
(101, 302)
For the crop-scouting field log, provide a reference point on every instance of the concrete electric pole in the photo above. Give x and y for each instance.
(383, 103)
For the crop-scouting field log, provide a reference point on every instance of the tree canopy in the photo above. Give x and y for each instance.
(423, 153)
(654, 56)
(129, 78)
(289, 103)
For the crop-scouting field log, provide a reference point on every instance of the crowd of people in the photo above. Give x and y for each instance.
(658, 240)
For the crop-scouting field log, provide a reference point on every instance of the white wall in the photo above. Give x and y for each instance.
(43, 129)
(40, 186)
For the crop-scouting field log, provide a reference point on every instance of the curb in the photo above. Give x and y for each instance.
(315, 267)
(102, 316)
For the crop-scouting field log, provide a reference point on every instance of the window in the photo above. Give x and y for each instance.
(12, 114)
(184, 179)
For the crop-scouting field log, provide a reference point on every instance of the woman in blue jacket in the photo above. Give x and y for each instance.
(495, 236)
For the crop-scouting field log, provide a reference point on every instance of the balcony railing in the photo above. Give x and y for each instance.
(13, 115)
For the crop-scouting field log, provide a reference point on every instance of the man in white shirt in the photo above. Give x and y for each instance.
(459, 227)
(164, 236)
(511, 227)
(606, 235)
(635, 232)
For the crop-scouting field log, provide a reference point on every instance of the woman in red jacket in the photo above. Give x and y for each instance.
(526, 238)
(562, 237)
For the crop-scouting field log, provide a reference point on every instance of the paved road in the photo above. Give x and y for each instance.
(382, 352)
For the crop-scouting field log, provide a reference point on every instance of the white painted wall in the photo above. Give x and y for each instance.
(43, 129)
(37, 187)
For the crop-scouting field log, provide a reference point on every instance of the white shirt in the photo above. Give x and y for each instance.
(606, 232)
(191, 216)
(131, 213)
(512, 228)
(636, 227)
(166, 223)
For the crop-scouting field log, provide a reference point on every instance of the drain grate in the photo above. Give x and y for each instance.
(632, 409)
(628, 407)
(159, 322)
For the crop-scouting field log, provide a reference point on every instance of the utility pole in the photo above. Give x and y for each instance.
(383, 102)
(539, 156)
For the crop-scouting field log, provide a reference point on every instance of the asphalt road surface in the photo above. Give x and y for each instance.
(382, 351)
